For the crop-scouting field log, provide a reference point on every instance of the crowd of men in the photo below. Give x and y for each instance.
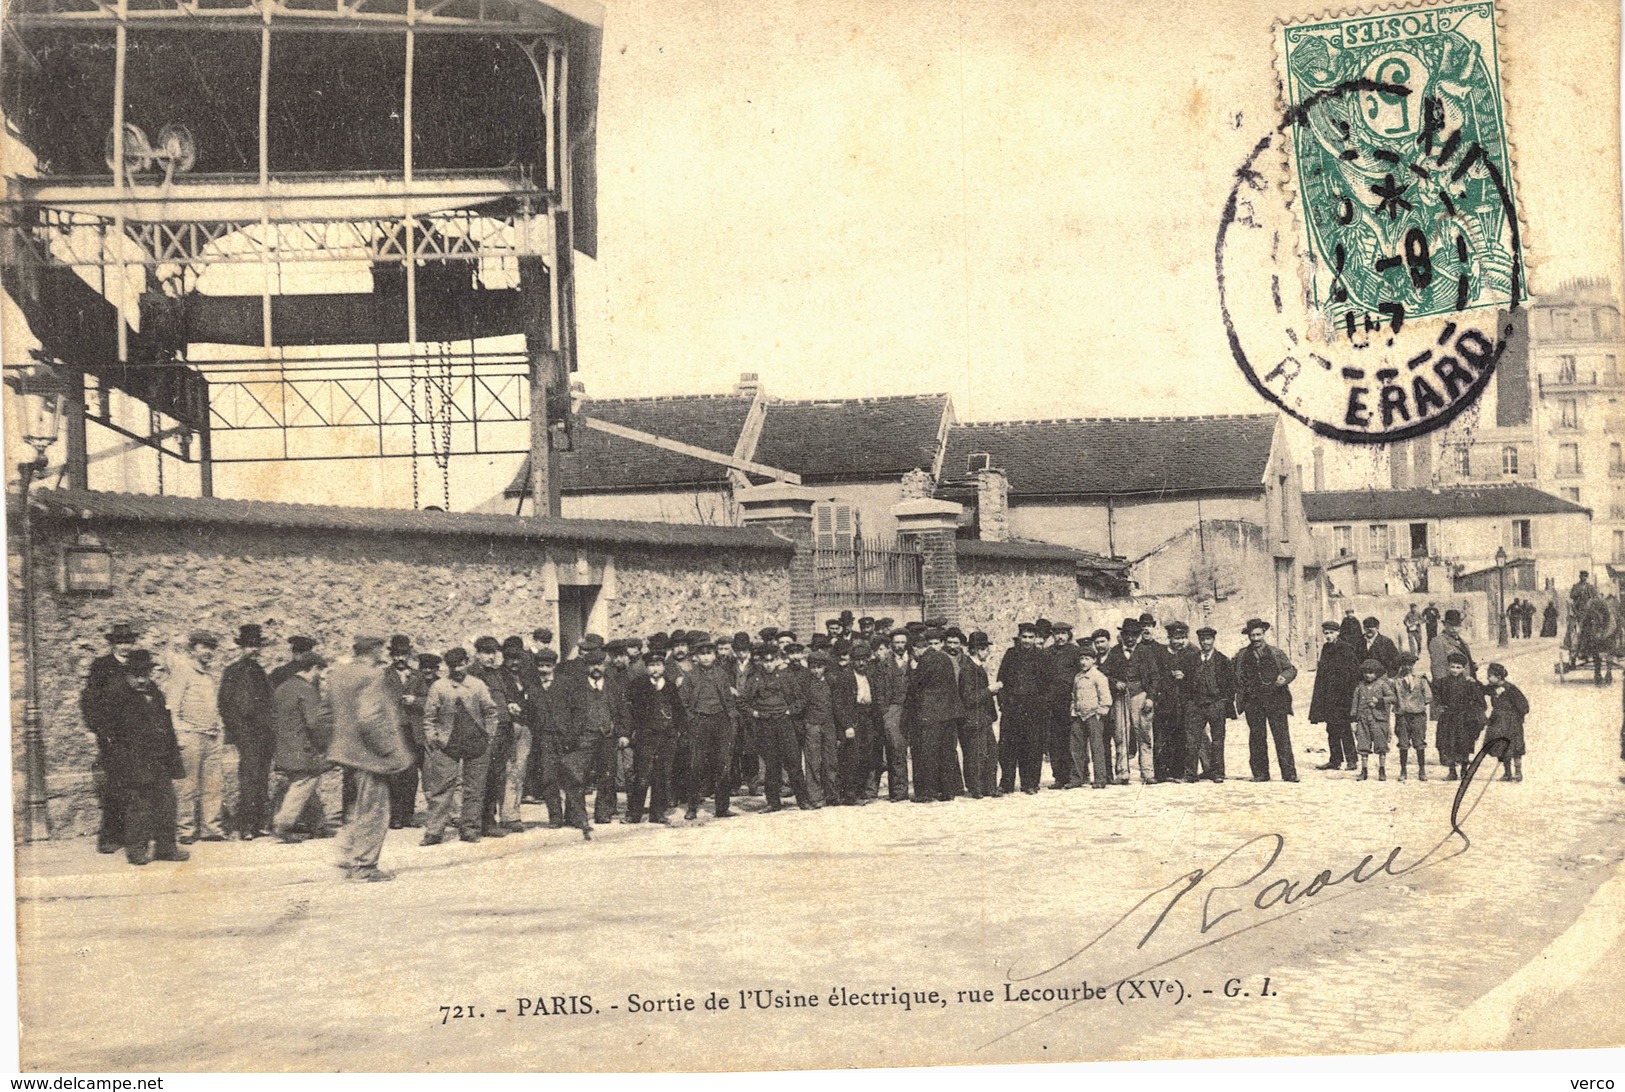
(645, 726)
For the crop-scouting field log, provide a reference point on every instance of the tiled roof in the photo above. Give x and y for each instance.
(1023, 550)
(214, 511)
(602, 463)
(1443, 503)
(853, 439)
(1119, 455)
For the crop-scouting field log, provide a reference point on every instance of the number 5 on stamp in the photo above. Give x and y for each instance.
(1399, 155)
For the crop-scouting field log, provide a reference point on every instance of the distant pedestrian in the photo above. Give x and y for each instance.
(1508, 708)
(1413, 630)
(1548, 620)
(1430, 621)
(1411, 718)
(1375, 700)
(366, 739)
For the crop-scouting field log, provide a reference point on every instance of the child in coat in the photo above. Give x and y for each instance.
(1461, 715)
(1375, 699)
(1411, 718)
(1508, 708)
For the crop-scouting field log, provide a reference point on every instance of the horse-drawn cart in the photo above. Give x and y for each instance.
(1595, 637)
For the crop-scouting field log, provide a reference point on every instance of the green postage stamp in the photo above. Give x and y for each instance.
(1399, 153)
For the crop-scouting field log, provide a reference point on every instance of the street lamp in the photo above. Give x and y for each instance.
(1501, 598)
(37, 396)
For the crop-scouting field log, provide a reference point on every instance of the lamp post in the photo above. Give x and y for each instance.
(1501, 597)
(37, 405)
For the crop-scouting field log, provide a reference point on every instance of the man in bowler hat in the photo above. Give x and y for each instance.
(246, 713)
(104, 690)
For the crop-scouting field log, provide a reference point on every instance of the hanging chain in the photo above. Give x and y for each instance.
(412, 406)
(444, 458)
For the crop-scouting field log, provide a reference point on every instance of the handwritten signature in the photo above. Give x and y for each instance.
(1241, 882)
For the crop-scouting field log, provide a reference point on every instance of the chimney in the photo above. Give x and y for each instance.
(749, 386)
(992, 505)
(1424, 461)
(1320, 469)
(1399, 465)
(918, 484)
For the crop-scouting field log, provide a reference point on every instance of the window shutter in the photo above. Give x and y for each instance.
(844, 530)
(824, 526)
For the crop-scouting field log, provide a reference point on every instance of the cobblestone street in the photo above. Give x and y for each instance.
(257, 956)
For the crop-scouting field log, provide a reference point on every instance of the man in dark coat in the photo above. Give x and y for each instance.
(411, 691)
(547, 729)
(144, 756)
(245, 712)
(105, 690)
(1024, 686)
(657, 721)
(976, 697)
(771, 700)
(1168, 722)
(937, 709)
(852, 698)
(1336, 675)
(889, 675)
(504, 689)
(1380, 647)
(1062, 655)
(304, 731)
(1264, 677)
(1209, 689)
(595, 727)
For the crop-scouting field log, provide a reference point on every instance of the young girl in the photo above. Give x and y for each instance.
(1508, 708)
(1374, 701)
(1411, 718)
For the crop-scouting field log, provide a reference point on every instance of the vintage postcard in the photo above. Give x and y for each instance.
(570, 537)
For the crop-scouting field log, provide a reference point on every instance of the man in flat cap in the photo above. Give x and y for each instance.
(1210, 692)
(1062, 655)
(1264, 677)
(304, 731)
(770, 701)
(193, 694)
(712, 715)
(105, 688)
(488, 668)
(1337, 673)
(819, 744)
(458, 710)
(367, 740)
(889, 675)
(596, 716)
(658, 719)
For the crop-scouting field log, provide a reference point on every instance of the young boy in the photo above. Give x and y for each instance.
(1091, 704)
(1461, 715)
(1508, 708)
(1411, 718)
(1374, 699)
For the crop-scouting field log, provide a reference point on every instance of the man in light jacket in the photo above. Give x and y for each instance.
(366, 740)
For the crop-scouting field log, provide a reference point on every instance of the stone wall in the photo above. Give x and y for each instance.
(440, 590)
(995, 594)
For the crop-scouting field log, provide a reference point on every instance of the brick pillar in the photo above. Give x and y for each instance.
(933, 525)
(787, 510)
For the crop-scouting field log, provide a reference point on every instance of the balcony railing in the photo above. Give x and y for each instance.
(1568, 380)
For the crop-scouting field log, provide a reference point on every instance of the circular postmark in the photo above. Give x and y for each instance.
(1368, 288)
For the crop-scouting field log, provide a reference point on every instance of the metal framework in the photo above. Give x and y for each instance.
(133, 281)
